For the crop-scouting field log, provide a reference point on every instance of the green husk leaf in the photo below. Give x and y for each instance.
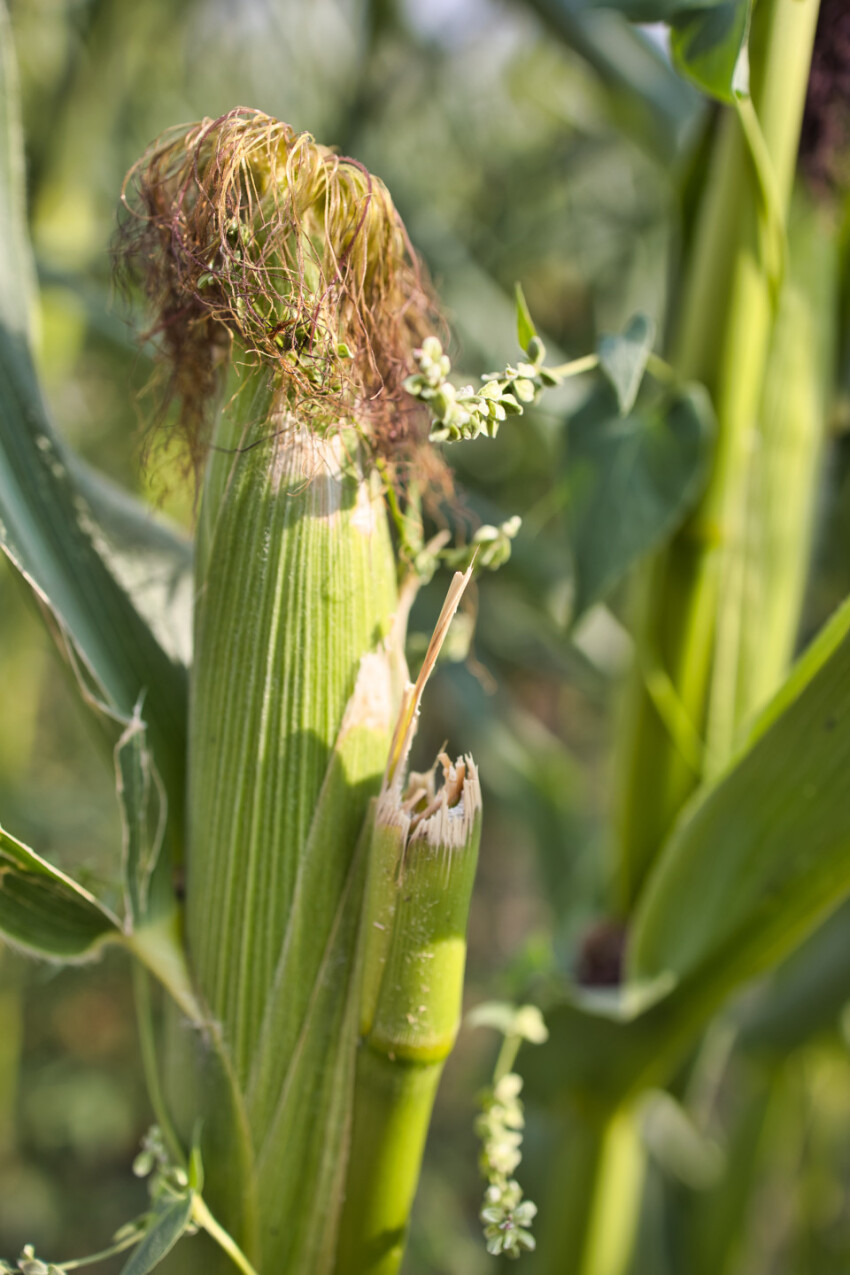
(304, 1061)
(45, 912)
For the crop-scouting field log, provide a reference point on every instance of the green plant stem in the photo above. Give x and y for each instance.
(395, 1098)
(595, 1195)
(150, 1064)
(693, 599)
(414, 952)
(225, 1241)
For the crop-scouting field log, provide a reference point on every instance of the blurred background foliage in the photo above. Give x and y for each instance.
(521, 141)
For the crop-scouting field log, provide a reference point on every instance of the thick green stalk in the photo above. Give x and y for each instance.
(291, 714)
(691, 618)
(414, 951)
(594, 1199)
(788, 451)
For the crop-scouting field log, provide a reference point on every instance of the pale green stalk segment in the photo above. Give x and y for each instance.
(590, 1218)
(296, 584)
(414, 951)
(694, 602)
(784, 470)
(392, 1112)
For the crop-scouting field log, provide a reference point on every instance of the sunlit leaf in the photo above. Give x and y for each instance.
(709, 46)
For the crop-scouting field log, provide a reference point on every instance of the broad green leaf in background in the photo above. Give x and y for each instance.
(652, 103)
(645, 10)
(762, 855)
(755, 863)
(48, 528)
(708, 40)
(171, 1220)
(709, 46)
(623, 358)
(630, 481)
(44, 912)
(806, 995)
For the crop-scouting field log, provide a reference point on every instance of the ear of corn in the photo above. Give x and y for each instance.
(292, 706)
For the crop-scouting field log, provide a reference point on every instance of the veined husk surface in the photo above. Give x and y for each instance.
(292, 706)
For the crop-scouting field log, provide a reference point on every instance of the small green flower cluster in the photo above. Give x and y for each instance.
(489, 548)
(29, 1264)
(506, 1216)
(467, 412)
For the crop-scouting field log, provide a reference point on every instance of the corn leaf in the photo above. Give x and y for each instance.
(45, 912)
(762, 855)
(48, 528)
(170, 1222)
(757, 861)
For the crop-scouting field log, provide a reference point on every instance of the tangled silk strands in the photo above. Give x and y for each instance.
(244, 232)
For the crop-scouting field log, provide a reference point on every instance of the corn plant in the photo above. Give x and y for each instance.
(298, 896)
(319, 956)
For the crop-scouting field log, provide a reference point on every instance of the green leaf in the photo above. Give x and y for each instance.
(44, 911)
(709, 46)
(525, 328)
(623, 358)
(150, 559)
(170, 1222)
(806, 994)
(653, 104)
(760, 857)
(48, 528)
(634, 10)
(630, 481)
(142, 814)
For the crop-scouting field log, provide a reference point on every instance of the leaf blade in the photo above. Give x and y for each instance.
(45, 912)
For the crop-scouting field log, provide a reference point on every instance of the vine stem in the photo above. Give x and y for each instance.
(147, 1044)
(225, 1241)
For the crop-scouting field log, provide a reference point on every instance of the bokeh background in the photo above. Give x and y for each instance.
(521, 141)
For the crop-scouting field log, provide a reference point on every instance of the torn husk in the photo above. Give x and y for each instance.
(422, 868)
